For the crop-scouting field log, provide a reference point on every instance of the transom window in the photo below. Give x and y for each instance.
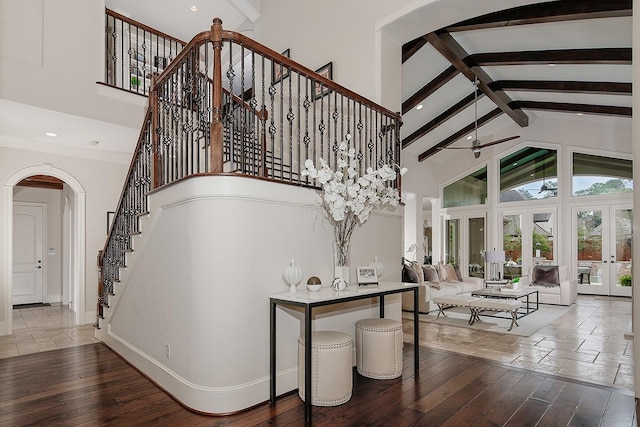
(597, 175)
(470, 190)
(529, 174)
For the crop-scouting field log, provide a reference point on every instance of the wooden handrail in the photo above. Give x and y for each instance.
(143, 26)
(301, 69)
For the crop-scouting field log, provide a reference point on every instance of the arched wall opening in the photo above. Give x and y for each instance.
(77, 219)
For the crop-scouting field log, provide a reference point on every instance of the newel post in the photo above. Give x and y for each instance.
(155, 137)
(216, 121)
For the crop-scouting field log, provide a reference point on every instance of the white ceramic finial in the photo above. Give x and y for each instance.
(292, 276)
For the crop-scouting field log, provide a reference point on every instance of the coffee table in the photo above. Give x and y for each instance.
(515, 295)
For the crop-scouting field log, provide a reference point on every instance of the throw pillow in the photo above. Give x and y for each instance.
(440, 270)
(449, 273)
(409, 274)
(419, 272)
(430, 274)
(545, 275)
(458, 273)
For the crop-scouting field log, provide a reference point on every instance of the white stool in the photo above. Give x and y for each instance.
(379, 348)
(331, 368)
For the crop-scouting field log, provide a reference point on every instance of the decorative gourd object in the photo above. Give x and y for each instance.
(378, 266)
(314, 283)
(292, 276)
(339, 284)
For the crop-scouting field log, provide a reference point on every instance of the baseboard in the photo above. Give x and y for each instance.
(197, 397)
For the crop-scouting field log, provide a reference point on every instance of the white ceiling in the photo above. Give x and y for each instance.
(427, 63)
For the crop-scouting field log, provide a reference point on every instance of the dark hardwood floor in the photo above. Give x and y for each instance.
(90, 385)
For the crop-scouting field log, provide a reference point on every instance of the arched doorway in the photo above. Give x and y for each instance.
(77, 205)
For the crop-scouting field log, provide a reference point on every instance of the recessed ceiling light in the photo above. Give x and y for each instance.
(552, 65)
(470, 137)
(419, 107)
(580, 114)
(51, 134)
(194, 8)
(94, 142)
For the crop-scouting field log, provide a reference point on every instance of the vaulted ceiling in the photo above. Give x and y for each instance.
(558, 57)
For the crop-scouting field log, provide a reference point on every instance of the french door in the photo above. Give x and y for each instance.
(464, 243)
(528, 238)
(603, 239)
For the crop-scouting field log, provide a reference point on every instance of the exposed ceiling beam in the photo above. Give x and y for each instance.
(609, 88)
(462, 132)
(410, 48)
(605, 110)
(429, 88)
(614, 55)
(441, 118)
(454, 53)
(553, 11)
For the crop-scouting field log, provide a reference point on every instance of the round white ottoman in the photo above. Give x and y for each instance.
(379, 348)
(331, 368)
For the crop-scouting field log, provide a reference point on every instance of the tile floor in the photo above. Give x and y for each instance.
(44, 328)
(587, 343)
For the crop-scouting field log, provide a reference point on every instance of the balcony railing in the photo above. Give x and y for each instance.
(227, 104)
(134, 52)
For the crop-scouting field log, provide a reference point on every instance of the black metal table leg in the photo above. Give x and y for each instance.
(381, 306)
(416, 335)
(272, 353)
(307, 363)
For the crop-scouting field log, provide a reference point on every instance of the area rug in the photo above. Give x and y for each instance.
(529, 325)
(34, 305)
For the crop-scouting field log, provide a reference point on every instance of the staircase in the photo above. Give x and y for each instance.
(216, 110)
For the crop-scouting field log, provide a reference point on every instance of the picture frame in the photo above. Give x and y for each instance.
(318, 90)
(278, 71)
(366, 275)
(160, 62)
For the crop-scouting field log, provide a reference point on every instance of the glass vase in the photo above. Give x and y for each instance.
(341, 260)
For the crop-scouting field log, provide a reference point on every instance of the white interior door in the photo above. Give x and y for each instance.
(28, 268)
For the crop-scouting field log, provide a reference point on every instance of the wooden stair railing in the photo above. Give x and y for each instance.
(227, 104)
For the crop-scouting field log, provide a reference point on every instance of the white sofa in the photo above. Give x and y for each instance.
(565, 293)
(429, 290)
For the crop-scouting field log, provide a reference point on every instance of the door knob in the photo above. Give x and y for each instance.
(39, 266)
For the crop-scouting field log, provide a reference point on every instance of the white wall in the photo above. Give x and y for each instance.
(102, 182)
(53, 237)
(62, 40)
(211, 252)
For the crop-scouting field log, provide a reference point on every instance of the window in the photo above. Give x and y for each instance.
(512, 245)
(529, 174)
(470, 190)
(542, 238)
(597, 175)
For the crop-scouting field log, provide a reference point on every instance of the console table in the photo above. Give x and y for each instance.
(328, 296)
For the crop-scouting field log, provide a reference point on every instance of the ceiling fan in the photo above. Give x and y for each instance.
(476, 146)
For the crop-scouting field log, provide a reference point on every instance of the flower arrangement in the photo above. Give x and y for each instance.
(347, 198)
